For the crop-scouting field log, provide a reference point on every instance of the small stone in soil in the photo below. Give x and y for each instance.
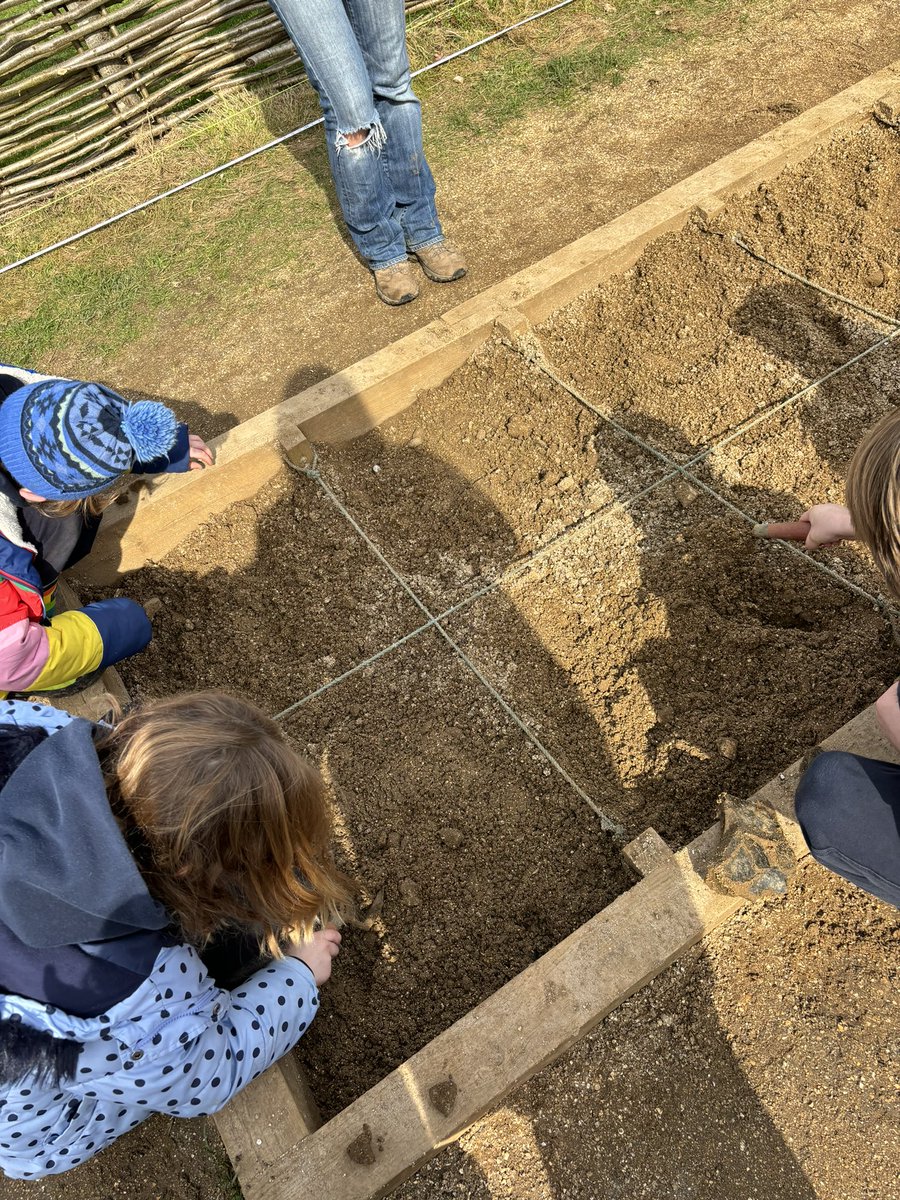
(518, 427)
(409, 893)
(566, 483)
(450, 837)
(684, 493)
(728, 748)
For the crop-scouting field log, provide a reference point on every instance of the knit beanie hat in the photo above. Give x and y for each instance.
(65, 440)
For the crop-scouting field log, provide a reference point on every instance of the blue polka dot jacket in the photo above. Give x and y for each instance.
(104, 1017)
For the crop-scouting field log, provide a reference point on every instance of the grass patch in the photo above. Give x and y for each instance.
(188, 255)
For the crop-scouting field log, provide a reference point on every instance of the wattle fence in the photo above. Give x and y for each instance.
(85, 83)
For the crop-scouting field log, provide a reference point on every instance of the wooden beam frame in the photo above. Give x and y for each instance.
(271, 1130)
(355, 400)
(375, 1143)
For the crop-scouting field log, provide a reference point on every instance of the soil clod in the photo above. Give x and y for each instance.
(362, 1149)
(443, 1096)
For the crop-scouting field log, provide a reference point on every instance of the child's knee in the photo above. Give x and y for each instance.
(124, 628)
(823, 798)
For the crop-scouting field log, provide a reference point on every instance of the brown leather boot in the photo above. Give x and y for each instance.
(442, 262)
(396, 285)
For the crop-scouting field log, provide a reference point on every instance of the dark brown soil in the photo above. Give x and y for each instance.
(489, 466)
(272, 599)
(166, 1158)
(759, 1067)
(484, 857)
(658, 632)
(660, 652)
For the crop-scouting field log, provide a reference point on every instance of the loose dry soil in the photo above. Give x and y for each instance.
(634, 648)
(761, 1066)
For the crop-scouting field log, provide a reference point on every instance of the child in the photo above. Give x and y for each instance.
(192, 820)
(849, 806)
(65, 448)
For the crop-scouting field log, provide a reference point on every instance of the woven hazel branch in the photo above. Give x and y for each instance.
(143, 105)
(81, 87)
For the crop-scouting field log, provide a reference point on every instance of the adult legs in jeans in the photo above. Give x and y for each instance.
(849, 810)
(355, 57)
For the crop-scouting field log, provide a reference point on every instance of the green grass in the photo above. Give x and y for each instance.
(188, 254)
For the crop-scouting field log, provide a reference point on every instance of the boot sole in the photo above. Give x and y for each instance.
(442, 278)
(396, 303)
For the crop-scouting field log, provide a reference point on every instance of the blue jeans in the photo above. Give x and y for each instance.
(849, 810)
(355, 56)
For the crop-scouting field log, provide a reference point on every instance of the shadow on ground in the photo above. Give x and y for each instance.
(484, 857)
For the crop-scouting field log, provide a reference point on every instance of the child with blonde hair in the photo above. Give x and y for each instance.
(165, 923)
(65, 449)
(848, 806)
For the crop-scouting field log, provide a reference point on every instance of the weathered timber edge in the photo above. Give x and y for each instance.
(371, 391)
(466, 1070)
(405, 1119)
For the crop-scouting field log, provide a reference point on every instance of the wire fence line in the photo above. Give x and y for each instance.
(19, 192)
(85, 83)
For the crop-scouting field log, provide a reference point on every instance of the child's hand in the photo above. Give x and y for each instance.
(319, 953)
(887, 711)
(829, 524)
(201, 455)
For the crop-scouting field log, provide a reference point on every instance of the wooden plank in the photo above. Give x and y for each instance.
(159, 514)
(647, 852)
(364, 395)
(385, 1135)
(274, 1111)
(861, 735)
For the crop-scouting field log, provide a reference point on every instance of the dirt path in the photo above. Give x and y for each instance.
(545, 181)
(756, 1068)
(163, 1160)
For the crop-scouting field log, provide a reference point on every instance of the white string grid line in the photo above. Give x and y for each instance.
(536, 357)
(509, 573)
(816, 287)
(675, 468)
(606, 823)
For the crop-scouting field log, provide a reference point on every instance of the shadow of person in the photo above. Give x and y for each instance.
(310, 152)
(632, 639)
(305, 376)
(197, 417)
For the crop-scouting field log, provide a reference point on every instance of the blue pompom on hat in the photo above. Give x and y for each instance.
(66, 440)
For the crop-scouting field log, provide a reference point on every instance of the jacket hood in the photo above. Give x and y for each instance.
(66, 874)
(9, 489)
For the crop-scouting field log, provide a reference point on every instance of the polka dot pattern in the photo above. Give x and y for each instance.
(154, 1052)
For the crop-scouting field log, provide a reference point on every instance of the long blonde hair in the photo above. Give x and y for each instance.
(873, 496)
(227, 822)
(89, 506)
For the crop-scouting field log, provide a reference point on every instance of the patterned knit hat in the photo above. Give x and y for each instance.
(65, 440)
